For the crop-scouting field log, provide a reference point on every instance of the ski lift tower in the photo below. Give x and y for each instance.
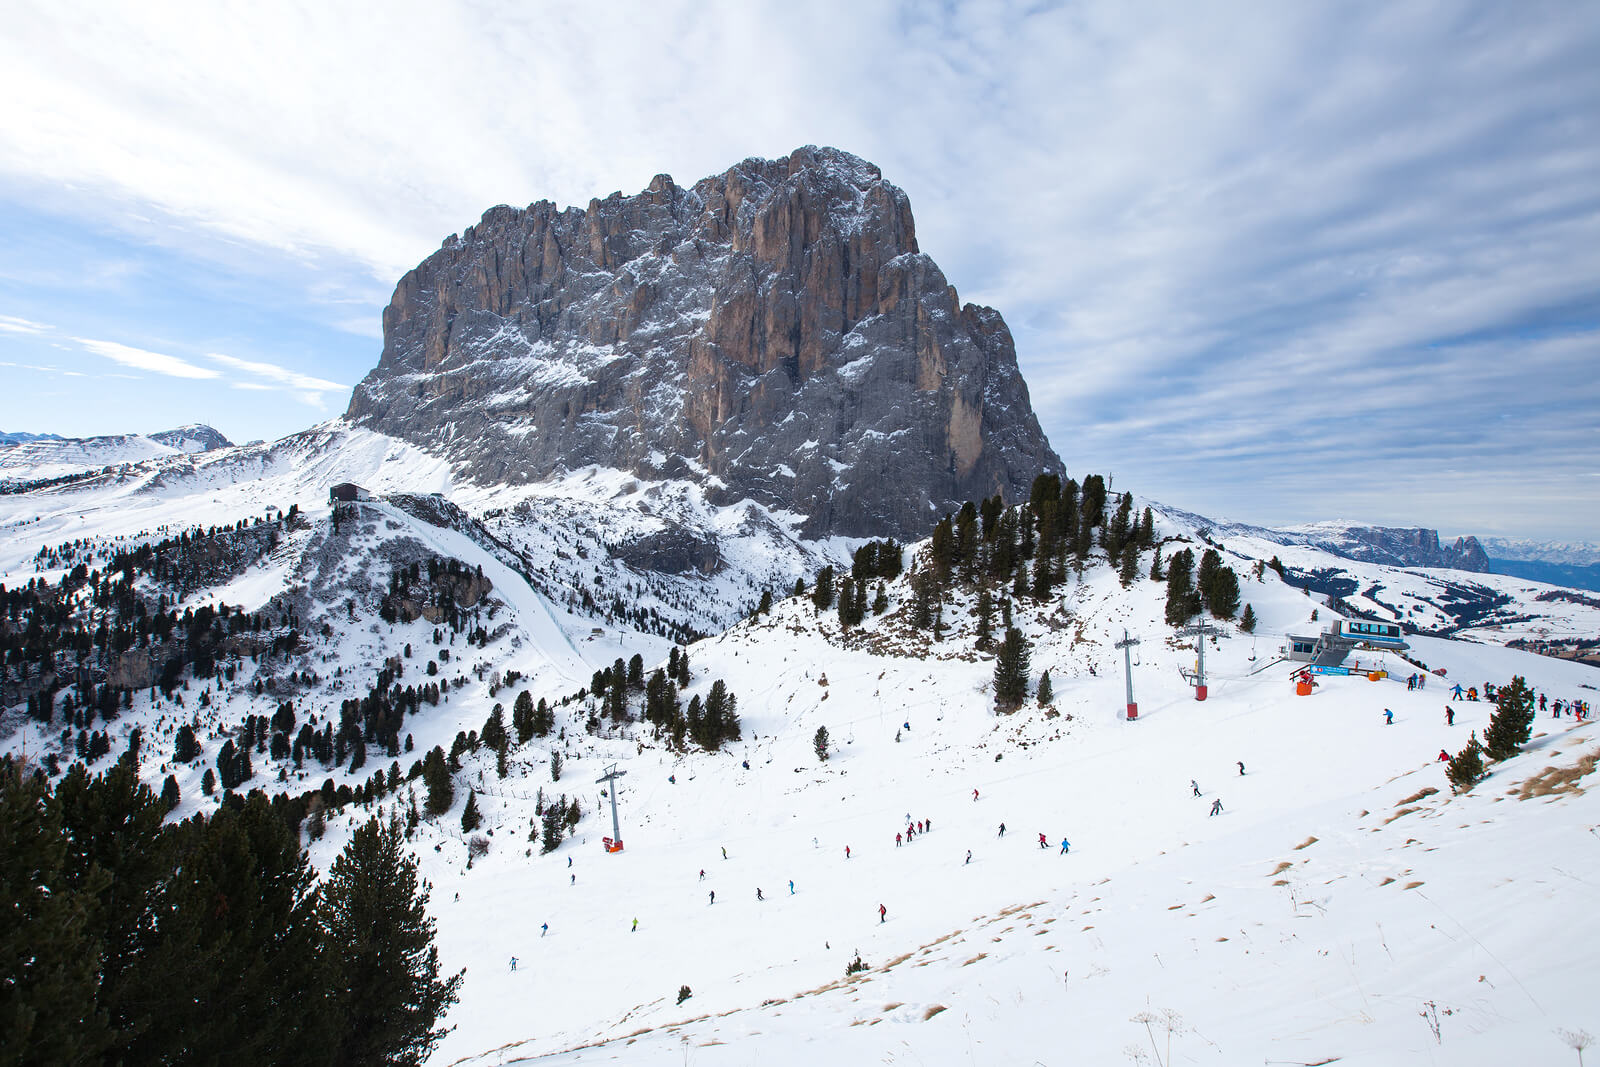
(614, 842)
(1199, 631)
(1127, 669)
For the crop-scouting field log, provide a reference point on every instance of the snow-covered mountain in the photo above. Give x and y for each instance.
(18, 438)
(773, 333)
(42, 458)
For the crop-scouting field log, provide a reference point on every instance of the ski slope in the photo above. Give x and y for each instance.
(1268, 944)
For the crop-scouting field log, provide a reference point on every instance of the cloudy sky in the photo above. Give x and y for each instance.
(1277, 262)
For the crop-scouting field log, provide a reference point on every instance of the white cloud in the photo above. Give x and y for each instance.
(280, 375)
(142, 359)
(1228, 224)
(12, 324)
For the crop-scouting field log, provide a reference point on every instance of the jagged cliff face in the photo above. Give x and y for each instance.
(772, 332)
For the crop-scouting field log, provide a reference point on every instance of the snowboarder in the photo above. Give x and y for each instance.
(1241, 768)
(1388, 717)
(758, 894)
(1449, 715)
(1064, 846)
(544, 928)
(1444, 757)
(1043, 841)
(791, 887)
(1002, 832)
(883, 913)
(969, 855)
(513, 965)
(1216, 806)
(1195, 786)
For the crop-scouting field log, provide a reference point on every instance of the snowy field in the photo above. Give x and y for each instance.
(1313, 921)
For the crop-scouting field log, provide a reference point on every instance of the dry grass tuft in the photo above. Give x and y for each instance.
(1307, 843)
(975, 959)
(1418, 795)
(1553, 781)
(931, 1012)
(1396, 815)
(1284, 866)
(1411, 885)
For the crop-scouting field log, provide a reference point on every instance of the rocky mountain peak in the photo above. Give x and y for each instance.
(772, 332)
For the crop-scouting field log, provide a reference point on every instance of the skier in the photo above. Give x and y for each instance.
(713, 896)
(574, 880)
(544, 928)
(758, 894)
(927, 824)
(635, 926)
(847, 852)
(1064, 846)
(1449, 715)
(702, 874)
(673, 779)
(1002, 832)
(897, 839)
(1422, 680)
(1216, 806)
(513, 965)
(1195, 786)
(969, 855)
(1241, 768)
(791, 887)
(1457, 690)
(724, 851)
(908, 727)
(883, 913)
(974, 794)
(1444, 757)
(1388, 717)
(747, 765)
(569, 861)
(1043, 841)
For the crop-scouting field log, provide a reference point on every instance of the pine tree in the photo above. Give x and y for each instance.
(553, 826)
(555, 766)
(847, 600)
(985, 619)
(184, 747)
(50, 947)
(763, 608)
(1182, 601)
(494, 730)
(1247, 622)
(436, 776)
(470, 819)
(820, 743)
(1147, 529)
(522, 717)
(1466, 768)
(1130, 564)
(544, 719)
(1155, 567)
(1222, 592)
(822, 595)
(880, 601)
(1047, 692)
(377, 933)
(1011, 671)
(1512, 722)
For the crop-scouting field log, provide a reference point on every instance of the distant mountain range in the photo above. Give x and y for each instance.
(28, 458)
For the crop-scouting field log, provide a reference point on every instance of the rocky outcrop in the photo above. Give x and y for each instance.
(1395, 547)
(772, 332)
